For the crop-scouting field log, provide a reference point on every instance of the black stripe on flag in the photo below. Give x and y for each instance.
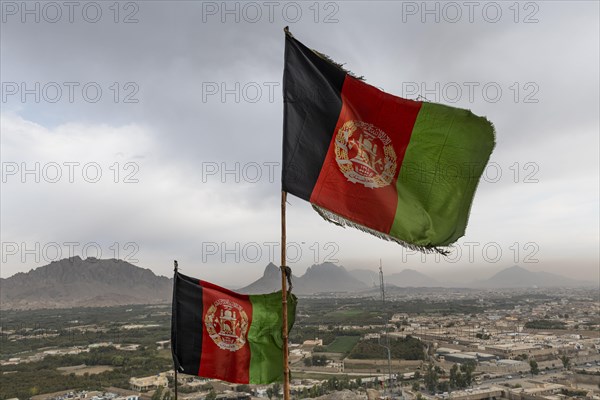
(186, 324)
(311, 106)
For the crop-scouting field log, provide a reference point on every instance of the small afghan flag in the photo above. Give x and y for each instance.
(220, 334)
(400, 169)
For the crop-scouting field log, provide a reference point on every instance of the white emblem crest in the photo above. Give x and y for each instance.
(227, 324)
(365, 155)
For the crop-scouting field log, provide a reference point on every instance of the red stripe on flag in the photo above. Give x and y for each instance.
(209, 285)
(223, 355)
(367, 157)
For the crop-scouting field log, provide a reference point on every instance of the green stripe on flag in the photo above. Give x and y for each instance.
(265, 337)
(447, 153)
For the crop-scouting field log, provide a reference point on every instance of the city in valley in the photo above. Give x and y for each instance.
(416, 343)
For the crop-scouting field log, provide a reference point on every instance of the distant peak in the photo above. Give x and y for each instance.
(515, 268)
(68, 259)
(326, 265)
(271, 269)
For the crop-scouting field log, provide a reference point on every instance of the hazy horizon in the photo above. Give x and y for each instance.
(440, 275)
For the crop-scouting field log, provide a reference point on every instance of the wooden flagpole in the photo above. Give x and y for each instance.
(175, 383)
(175, 268)
(284, 272)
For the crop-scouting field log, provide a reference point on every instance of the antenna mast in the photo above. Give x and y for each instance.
(381, 286)
(387, 337)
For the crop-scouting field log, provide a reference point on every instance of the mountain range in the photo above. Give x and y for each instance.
(404, 278)
(93, 282)
(321, 278)
(518, 277)
(329, 277)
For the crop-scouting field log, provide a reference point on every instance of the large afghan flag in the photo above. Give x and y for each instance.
(217, 333)
(400, 169)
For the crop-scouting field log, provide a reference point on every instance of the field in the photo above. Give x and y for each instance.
(343, 344)
(324, 376)
(81, 370)
(349, 315)
(28, 333)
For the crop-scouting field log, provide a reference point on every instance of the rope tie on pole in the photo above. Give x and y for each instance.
(288, 275)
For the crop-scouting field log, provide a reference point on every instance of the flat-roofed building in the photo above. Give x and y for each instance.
(446, 350)
(148, 383)
(481, 356)
(460, 357)
(510, 363)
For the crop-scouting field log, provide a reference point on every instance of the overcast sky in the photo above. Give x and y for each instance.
(129, 118)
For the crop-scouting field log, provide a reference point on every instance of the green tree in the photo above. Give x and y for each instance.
(566, 361)
(431, 378)
(314, 391)
(276, 390)
(243, 388)
(533, 367)
(443, 386)
(319, 361)
(118, 361)
(158, 393)
(453, 376)
(416, 386)
(467, 370)
(212, 395)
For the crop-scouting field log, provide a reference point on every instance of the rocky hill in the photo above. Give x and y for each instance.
(74, 282)
(319, 278)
